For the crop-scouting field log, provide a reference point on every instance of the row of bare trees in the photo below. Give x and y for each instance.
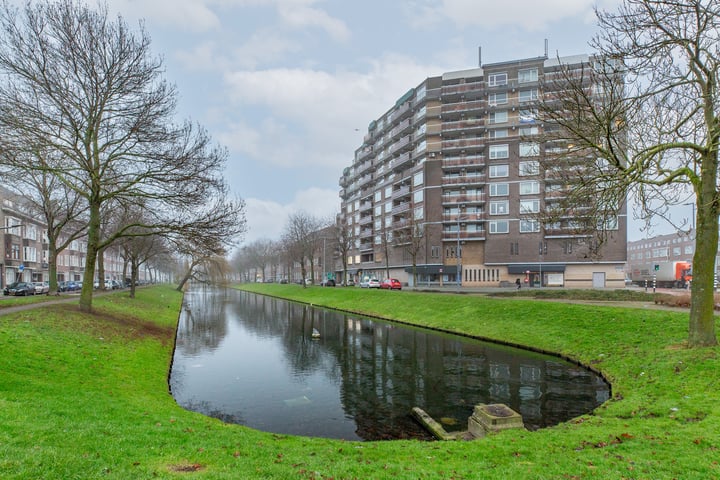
(306, 238)
(88, 133)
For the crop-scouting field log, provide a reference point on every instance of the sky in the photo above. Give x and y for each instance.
(290, 86)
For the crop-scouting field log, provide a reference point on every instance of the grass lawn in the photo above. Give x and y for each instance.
(86, 396)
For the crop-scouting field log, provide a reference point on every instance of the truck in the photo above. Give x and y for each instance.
(663, 274)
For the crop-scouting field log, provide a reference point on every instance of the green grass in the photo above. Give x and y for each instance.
(86, 396)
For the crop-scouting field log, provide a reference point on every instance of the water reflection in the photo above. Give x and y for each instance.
(251, 359)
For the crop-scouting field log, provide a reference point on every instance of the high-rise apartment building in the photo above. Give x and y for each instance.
(449, 184)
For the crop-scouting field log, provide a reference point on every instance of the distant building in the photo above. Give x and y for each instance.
(457, 156)
(25, 248)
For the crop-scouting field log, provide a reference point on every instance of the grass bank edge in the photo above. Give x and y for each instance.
(167, 439)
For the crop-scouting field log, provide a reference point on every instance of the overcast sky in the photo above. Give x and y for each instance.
(290, 86)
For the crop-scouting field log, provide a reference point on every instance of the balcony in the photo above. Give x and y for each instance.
(464, 161)
(401, 145)
(364, 153)
(463, 217)
(463, 235)
(400, 112)
(403, 127)
(471, 124)
(401, 208)
(464, 179)
(463, 107)
(401, 162)
(401, 192)
(462, 88)
(472, 198)
(461, 143)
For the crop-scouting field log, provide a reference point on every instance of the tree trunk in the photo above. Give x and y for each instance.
(93, 240)
(101, 268)
(52, 267)
(702, 304)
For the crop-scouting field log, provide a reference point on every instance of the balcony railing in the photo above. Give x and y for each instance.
(463, 143)
(464, 198)
(463, 106)
(464, 161)
(462, 88)
(463, 179)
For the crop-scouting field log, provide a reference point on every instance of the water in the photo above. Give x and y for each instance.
(252, 360)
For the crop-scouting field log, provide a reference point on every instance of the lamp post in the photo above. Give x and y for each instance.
(458, 255)
(693, 215)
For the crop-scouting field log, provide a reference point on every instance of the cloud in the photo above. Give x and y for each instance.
(492, 15)
(300, 16)
(267, 219)
(318, 113)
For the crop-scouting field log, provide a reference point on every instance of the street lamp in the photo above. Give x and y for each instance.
(458, 255)
(693, 215)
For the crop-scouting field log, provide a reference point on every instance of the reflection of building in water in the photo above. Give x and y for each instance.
(383, 370)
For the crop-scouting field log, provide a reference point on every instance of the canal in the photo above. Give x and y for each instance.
(254, 360)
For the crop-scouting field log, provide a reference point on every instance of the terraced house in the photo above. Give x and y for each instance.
(449, 182)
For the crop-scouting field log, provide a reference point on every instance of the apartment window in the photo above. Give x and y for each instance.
(497, 79)
(497, 171)
(676, 251)
(498, 133)
(499, 117)
(612, 224)
(529, 206)
(499, 208)
(378, 210)
(15, 251)
(497, 98)
(30, 254)
(418, 213)
(567, 247)
(528, 95)
(388, 191)
(378, 196)
(499, 189)
(418, 196)
(528, 75)
(531, 167)
(499, 151)
(435, 252)
(528, 131)
(418, 179)
(527, 115)
(514, 248)
(529, 149)
(529, 188)
(499, 226)
(529, 226)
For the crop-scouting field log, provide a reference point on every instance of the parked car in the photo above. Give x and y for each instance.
(70, 286)
(19, 289)
(373, 283)
(41, 287)
(391, 284)
(329, 283)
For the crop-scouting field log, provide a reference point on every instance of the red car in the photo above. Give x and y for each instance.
(391, 284)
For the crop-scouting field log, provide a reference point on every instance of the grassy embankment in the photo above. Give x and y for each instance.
(86, 396)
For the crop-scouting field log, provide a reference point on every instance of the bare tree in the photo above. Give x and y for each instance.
(343, 239)
(259, 255)
(656, 135)
(87, 87)
(411, 237)
(300, 238)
